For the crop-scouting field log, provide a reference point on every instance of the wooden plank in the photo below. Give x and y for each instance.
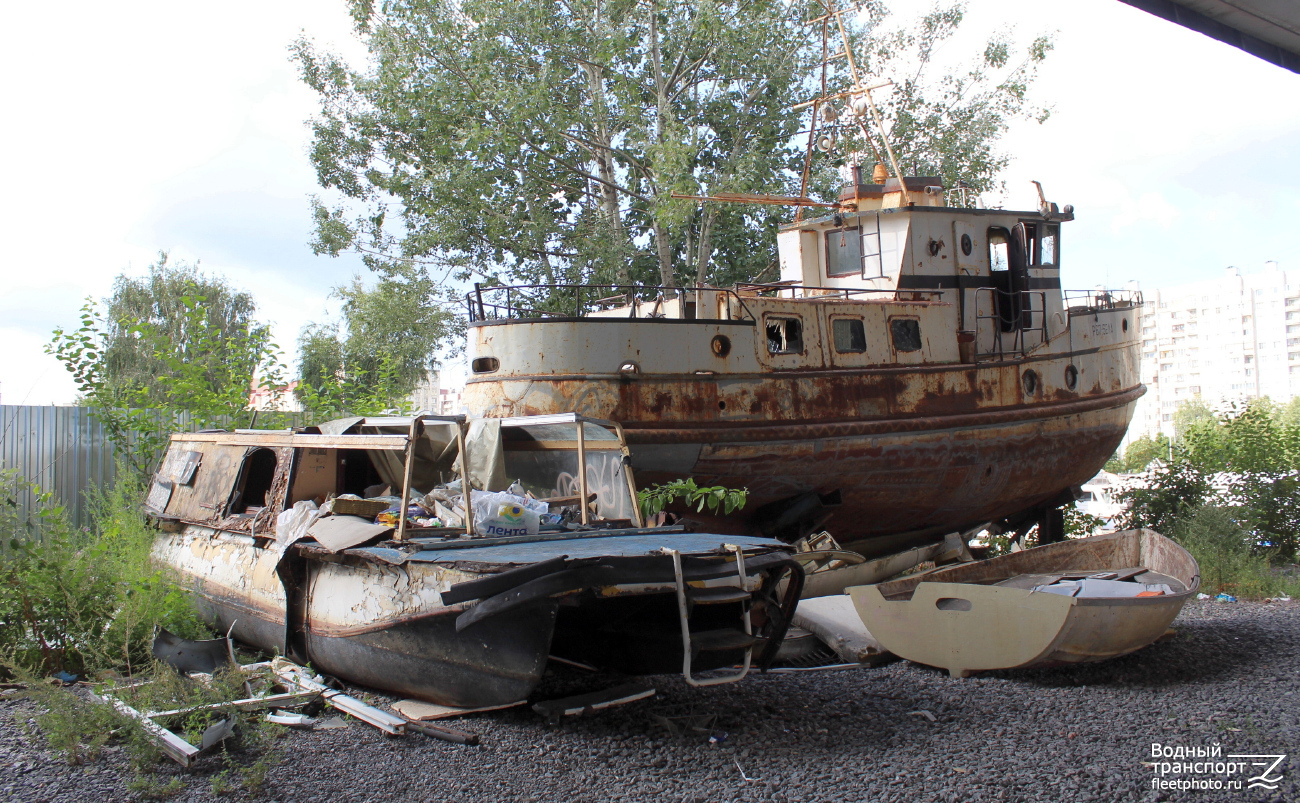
(179, 750)
(250, 703)
(385, 442)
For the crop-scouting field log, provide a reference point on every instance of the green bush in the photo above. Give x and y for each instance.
(83, 601)
(1228, 557)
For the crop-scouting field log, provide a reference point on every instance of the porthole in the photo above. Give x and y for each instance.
(721, 345)
(966, 245)
(485, 365)
(1123, 324)
(1030, 383)
(1071, 376)
(629, 368)
(722, 405)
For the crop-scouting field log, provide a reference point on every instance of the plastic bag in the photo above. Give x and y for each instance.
(292, 524)
(500, 514)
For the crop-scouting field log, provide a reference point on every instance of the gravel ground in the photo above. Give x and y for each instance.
(1231, 676)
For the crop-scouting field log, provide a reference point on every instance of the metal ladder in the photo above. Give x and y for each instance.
(714, 640)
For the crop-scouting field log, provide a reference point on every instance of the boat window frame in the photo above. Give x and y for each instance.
(239, 489)
(1050, 231)
(1006, 235)
(894, 320)
(843, 232)
(768, 317)
(862, 330)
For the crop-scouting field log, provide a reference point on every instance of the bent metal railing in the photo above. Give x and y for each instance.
(777, 289)
(1006, 322)
(580, 300)
(533, 301)
(1077, 301)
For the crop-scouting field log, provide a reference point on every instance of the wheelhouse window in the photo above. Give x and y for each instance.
(850, 336)
(784, 335)
(843, 252)
(1047, 244)
(1030, 232)
(999, 250)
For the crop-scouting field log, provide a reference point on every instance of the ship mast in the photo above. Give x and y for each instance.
(859, 97)
(859, 103)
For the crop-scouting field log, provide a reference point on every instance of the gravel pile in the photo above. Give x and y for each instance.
(897, 733)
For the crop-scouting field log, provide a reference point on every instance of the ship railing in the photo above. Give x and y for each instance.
(780, 290)
(1008, 323)
(1084, 301)
(539, 301)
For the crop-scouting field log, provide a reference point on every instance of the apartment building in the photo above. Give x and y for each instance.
(1234, 337)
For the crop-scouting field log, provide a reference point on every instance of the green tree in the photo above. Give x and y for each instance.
(371, 360)
(543, 140)
(159, 300)
(1141, 452)
(202, 372)
(1249, 452)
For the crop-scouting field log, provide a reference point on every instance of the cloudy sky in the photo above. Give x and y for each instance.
(145, 126)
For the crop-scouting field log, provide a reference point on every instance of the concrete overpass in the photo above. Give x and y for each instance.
(1269, 29)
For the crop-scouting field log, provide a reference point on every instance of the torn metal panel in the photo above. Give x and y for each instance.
(836, 622)
(337, 533)
(594, 701)
(186, 655)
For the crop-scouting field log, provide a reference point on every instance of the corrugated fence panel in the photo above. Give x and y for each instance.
(61, 449)
(66, 450)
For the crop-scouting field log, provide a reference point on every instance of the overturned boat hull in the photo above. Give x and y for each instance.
(972, 617)
(377, 616)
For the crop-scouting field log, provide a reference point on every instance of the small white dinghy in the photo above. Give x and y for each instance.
(1086, 599)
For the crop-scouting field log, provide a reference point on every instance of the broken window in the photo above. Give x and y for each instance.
(255, 479)
(906, 333)
(850, 337)
(844, 252)
(784, 335)
(1030, 232)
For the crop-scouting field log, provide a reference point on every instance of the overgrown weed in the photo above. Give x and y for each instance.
(1230, 560)
(89, 602)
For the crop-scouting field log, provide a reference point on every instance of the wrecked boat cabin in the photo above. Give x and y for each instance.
(352, 546)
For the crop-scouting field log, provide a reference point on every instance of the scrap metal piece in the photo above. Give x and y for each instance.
(295, 675)
(419, 711)
(292, 719)
(217, 733)
(186, 655)
(594, 701)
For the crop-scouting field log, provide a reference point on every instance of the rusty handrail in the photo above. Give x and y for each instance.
(829, 292)
(480, 309)
(1101, 299)
(1019, 345)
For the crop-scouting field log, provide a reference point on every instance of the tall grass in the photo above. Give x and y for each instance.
(83, 601)
(1229, 557)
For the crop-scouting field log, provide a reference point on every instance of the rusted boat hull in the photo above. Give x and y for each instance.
(947, 465)
(958, 619)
